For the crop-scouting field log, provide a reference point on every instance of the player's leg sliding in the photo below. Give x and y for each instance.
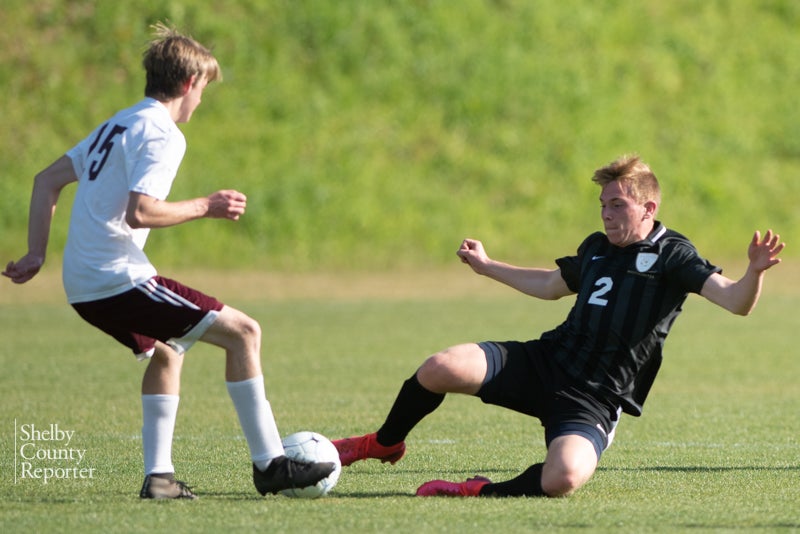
(412, 404)
(528, 484)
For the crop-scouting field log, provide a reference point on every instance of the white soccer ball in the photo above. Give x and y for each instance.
(309, 446)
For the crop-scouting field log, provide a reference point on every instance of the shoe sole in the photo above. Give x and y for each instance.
(391, 458)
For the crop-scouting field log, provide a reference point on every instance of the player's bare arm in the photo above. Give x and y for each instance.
(545, 284)
(148, 212)
(47, 188)
(740, 297)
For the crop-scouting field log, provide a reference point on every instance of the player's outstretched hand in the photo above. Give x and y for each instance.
(763, 252)
(23, 270)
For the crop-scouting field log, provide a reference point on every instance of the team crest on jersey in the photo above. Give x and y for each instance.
(645, 260)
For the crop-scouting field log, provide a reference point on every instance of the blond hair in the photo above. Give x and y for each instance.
(171, 59)
(634, 175)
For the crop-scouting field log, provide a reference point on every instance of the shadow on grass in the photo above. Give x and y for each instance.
(240, 497)
(372, 494)
(444, 471)
(700, 468)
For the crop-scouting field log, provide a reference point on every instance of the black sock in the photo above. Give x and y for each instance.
(528, 484)
(412, 404)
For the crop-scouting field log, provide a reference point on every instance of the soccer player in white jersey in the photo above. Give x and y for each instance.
(630, 282)
(125, 169)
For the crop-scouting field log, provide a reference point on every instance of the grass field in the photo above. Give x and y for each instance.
(718, 448)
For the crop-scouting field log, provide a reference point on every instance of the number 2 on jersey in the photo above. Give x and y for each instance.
(603, 285)
(104, 150)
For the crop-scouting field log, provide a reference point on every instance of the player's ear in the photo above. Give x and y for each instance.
(188, 84)
(650, 208)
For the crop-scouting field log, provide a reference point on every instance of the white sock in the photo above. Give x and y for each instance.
(158, 425)
(255, 417)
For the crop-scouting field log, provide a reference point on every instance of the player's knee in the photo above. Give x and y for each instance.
(561, 486)
(250, 335)
(436, 372)
(237, 331)
(564, 480)
(452, 370)
(165, 356)
(250, 328)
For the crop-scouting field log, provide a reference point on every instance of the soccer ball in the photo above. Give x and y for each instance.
(309, 446)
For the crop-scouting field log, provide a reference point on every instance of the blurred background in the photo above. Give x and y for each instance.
(376, 134)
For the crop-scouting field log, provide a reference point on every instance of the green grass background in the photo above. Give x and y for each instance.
(716, 450)
(375, 133)
(370, 138)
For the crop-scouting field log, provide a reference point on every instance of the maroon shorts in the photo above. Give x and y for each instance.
(159, 309)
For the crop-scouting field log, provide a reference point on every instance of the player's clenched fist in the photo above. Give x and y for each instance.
(226, 204)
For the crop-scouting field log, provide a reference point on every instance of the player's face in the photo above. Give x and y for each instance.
(625, 220)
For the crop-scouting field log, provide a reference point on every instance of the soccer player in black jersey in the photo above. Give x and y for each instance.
(630, 282)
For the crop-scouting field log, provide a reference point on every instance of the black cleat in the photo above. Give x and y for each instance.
(284, 473)
(165, 487)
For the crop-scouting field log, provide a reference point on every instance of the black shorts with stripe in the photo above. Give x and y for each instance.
(159, 309)
(526, 380)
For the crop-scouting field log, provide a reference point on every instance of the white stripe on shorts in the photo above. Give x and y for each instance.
(160, 293)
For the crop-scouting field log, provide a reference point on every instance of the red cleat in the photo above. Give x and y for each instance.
(365, 447)
(469, 488)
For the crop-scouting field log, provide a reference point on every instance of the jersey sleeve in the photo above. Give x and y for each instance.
(570, 271)
(571, 265)
(686, 265)
(155, 164)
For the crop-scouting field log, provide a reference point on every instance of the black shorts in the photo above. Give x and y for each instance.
(159, 309)
(528, 382)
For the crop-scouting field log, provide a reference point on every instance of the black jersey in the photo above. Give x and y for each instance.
(627, 300)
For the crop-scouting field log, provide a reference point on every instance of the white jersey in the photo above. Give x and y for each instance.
(139, 149)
